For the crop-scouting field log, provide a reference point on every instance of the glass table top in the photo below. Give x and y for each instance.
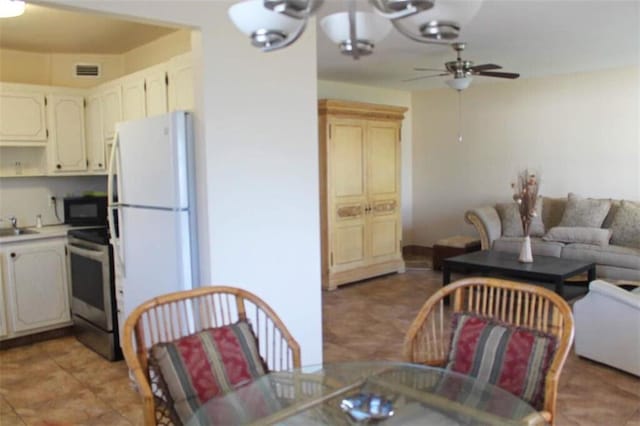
(418, 395)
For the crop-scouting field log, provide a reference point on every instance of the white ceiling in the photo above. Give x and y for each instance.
(531, 37)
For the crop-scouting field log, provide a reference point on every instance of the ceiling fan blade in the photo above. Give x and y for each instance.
(483, 67)
(429, 69)
(497, 74)
(425, 76)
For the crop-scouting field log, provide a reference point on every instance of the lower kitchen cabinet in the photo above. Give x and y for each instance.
(3, 312)
(37, 290)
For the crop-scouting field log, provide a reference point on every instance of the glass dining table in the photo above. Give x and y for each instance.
(348, 393)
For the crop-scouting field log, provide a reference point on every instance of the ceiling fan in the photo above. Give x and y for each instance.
(462, 71)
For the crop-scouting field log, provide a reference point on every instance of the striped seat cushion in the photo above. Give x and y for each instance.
(514, 358)
(208, 364)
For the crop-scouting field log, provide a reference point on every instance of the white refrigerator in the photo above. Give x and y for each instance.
(152, 209)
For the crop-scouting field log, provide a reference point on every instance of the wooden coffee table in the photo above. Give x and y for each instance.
(546, 269)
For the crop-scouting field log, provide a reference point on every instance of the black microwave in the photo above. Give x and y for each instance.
(84, 211)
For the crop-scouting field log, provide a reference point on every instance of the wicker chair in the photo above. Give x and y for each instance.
(428, 339)
(167, 318)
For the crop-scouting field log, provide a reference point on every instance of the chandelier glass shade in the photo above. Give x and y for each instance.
(369, 29)
(275, 24)
(443, 21)
(11, 8)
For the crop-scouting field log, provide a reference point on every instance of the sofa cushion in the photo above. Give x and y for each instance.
(516, 359)
(552, 211)
(538, 246)
(612, 255)
(625, 226)
(585, 212)
(512, 224)
(578, 234)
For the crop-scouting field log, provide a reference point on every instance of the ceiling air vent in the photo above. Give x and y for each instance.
(87, 70)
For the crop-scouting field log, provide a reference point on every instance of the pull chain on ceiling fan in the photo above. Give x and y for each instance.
(463, 72)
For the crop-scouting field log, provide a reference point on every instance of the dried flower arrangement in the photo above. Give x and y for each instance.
(525, 194)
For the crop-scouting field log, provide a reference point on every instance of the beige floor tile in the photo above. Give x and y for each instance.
(74, 408)
(5, 407)
(33, 391)
(10, 419)
(110, 418)
(34, 367)
(634, 420)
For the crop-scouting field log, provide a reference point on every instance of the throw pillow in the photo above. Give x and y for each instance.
(207, 364)
(626, 225)
(512, 224)
(514, 358)
(579, 234)
(588, 213)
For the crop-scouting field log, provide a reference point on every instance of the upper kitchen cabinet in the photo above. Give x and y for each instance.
(96, 152)
(133, 97)
(67, 137)
(110, 108)
(144, 93)
(180, 73)
(155, 79)
(22, 116)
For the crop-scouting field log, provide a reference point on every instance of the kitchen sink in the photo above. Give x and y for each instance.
(11, 232)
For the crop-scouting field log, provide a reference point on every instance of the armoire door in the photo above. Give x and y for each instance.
(383, 187)
(348, 195)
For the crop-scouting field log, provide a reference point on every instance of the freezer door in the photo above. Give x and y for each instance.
(153, 161)
(157, 254)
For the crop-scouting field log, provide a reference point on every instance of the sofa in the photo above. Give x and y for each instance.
(603, 231)
(607, 326)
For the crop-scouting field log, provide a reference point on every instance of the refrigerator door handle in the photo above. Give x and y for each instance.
(113, 205)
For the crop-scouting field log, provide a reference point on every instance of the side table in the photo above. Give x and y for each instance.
(453, 246)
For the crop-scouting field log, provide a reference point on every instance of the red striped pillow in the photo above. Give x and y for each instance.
(208, 364)
(514, 358)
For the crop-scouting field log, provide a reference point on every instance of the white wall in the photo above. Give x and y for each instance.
(24, 198)
(256, 129)
(337, 90)
(580, 131)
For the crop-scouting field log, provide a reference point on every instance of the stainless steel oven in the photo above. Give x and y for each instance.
(93, 291)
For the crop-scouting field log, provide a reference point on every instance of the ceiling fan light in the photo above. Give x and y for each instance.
(264, 26)
(459, 83)
(370, 27)
(11, 8)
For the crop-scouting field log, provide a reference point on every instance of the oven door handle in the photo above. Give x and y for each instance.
(98, 255)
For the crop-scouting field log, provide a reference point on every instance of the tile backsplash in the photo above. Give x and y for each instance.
(27, 197)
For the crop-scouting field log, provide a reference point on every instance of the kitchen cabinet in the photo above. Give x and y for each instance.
(110, 109)
(180, 84)
(133, 98)
(360, 190)
(144, 94)
(37, 285)
(3, 310)
(156, 90)
(22, 117)
(96, 150)
(67, 135)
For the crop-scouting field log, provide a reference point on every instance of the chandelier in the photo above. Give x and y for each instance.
(275, 24)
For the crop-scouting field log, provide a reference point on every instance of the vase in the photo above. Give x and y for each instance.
(525, 251)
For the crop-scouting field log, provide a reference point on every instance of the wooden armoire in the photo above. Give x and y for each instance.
(359, 190)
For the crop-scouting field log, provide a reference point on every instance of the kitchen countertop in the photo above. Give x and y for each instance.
(51, 231)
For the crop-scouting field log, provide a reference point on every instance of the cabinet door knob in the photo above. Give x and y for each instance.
(99, 164)
(13, 255)
(58, 166)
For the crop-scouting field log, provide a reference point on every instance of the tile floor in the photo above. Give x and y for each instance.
(60, 382)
